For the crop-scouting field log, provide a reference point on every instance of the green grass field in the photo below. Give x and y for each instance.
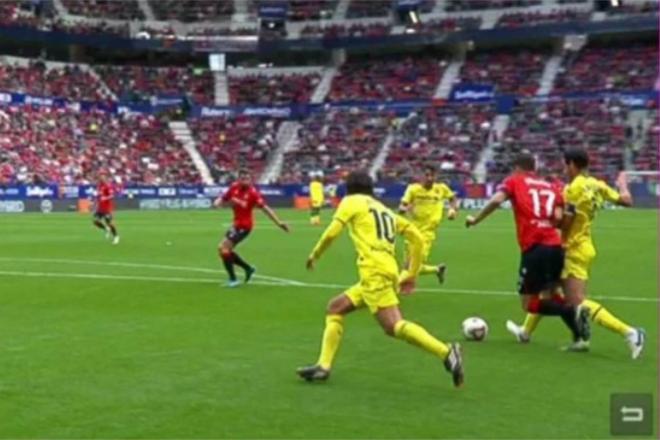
(142, 341)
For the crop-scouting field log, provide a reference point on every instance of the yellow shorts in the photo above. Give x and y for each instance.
(578, 261)
(377, 292)
(429, 239)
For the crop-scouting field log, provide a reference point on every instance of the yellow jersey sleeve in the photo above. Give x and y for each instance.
(409, 195)
(607, 192)
(448, 194)
(345, 211)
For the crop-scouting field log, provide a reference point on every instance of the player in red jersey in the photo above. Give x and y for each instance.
(243, 197)
(538, 209)
(105, 194)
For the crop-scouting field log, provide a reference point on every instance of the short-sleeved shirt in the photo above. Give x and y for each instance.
(316, 193)
(105, 194)
(534, 201)
(427, 204)
(244, 199)
(373, 228)
(583, 197)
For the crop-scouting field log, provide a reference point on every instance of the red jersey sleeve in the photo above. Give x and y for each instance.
(257, 198)
(508, 186)
(229, 193)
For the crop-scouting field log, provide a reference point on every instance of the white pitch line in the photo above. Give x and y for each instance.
(138, 266)
(475, 292)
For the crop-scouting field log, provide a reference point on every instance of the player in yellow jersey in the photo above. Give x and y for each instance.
(316, 197)
(373, 229)
(424, 203)
(583, 196)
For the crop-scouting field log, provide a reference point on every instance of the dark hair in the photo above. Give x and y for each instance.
(577, 156)
(243, 172)
(525, 161)
(429, 168)
(359, 182)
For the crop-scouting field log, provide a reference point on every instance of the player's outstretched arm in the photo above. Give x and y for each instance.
(492, 205)
(329, 235)
(625, 198)
(274, 218)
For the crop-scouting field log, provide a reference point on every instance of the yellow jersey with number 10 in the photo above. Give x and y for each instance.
(427, 205)
(373, 229)
(583, 197)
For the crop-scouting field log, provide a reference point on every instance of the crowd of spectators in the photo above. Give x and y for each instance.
(446, 25)
(451, 137)
(336, 142)
(630, 66)
(520, 19)
(369, 8)
(272, 89)
(634, 8)
(339, 30)
(192, 10)
(62, 146)
(112, 9)
(471, 5)
(394, 78)
(646, 158)
(139, 83)
(512, 72)
(548, 129)
(228, 144)
(300, 10)
(70, 81)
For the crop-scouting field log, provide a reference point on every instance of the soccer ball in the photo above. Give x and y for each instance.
(475, 328)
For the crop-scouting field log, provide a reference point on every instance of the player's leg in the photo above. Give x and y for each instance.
(428, 269)
(110, 224)
(225, 252)
(393, 323)
(337, 308)
(315, 215)
(576, 289)
(98, 221)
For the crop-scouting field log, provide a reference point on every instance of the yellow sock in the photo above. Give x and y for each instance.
(427, 269)
(531, 321)
(334, 328)
(417, 335)
(603, 317)
(315, 220)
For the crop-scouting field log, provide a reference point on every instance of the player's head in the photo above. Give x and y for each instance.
(524, 162)
(244, 177)
(359, 182)
(430, 175)
(576, 161)
(103, 176)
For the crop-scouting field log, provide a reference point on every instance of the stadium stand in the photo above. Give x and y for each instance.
(646, 159)
(512, 72)
(62, 146)
(70, 81)
(231, 143)
(451, 136)
(467, 5)
(272, 89)
(300, 10)
(368, 8)
(137, 83)
(387, 79)
(192, 10)
(113, 9)
(632, 66)
(340, 30)
(445, 25)
(548, 129)
(336, 142)
(532, 18)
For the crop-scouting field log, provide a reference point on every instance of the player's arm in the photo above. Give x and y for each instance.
(453, 204)
(327, 238)
(493, 204)
(624, 197)
(406, 200)
(274, 218)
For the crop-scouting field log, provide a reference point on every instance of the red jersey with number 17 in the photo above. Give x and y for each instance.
(244, 199)
(534, 201)
(105, 194)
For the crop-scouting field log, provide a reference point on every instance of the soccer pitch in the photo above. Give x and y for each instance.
(141, 340)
